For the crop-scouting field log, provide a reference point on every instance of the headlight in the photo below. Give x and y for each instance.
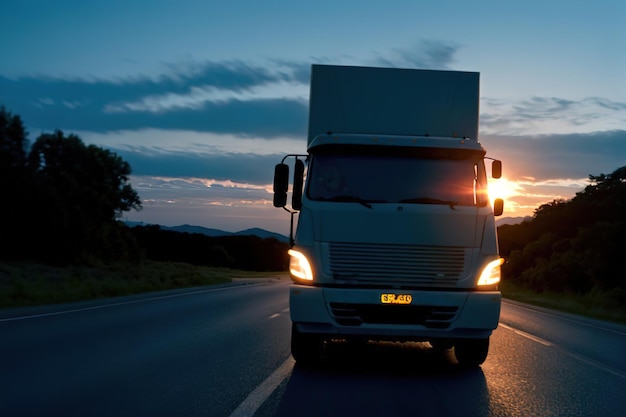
(299, 266)
(491, 273)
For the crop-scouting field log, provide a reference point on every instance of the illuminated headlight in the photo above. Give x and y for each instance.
(299, 266)
(491, 273)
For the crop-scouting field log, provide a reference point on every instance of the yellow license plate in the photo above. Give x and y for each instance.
(396, 298)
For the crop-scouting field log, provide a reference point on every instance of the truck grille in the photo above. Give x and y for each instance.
(434, 317)
(411, 264)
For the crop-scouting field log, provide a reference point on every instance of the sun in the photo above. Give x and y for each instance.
(503, 188)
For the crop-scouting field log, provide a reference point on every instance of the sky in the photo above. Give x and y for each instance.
(203, 98)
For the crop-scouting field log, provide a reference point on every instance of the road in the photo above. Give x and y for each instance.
(224, 351)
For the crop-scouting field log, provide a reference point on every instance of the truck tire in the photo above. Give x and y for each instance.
(305, 347)
(471, 352)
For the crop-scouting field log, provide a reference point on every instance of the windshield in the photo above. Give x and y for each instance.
(395, 177)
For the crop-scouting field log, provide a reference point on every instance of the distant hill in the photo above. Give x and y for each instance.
(187, 228)
(512, 220)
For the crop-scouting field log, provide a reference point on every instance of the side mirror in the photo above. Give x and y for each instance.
(298, 182)
(281, 184)
(496, 169)
(498, 207)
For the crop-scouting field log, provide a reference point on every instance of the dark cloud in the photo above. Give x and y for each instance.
(608, 104)
(245, 168)
(541, 105)
(546, 157)
(520, 116)
(542, 157)
(427, 54)
(82, 104)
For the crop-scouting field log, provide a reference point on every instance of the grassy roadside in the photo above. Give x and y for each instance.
(29, 284)
(609, 306)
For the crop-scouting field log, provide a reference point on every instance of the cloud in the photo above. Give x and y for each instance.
(246, 168)
(233, 120)
(549, 157)
(263, 99)
(543, 115)
(197, 97)
(426, 54)
(179, 153)
(226, 205)
(213, 97)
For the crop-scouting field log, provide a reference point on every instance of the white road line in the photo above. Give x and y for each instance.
(273, 316)
(76, 310)
(526, 335)
(566, 352)
(255, 400)
(557, 316)
(593, 363)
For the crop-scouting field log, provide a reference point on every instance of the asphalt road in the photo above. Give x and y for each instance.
(224, 351)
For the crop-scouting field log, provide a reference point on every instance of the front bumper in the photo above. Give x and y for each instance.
(359, 312)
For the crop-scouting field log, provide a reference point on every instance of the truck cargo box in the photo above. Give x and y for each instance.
(391, 101)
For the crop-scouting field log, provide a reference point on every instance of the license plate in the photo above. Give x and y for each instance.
(396, 298)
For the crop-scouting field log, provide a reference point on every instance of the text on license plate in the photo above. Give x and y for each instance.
(396, 298)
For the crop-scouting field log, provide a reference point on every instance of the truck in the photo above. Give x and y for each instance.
(396, 237)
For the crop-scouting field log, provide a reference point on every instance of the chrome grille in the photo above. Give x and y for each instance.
(411, 264)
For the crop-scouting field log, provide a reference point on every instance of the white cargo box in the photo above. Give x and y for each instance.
(391, 101)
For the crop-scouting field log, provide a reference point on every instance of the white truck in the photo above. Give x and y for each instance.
(396, 236)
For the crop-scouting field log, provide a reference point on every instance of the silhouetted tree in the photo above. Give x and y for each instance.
(239, 252)
(14, 182)
(571, 246)
(12, 143)
(79, 192)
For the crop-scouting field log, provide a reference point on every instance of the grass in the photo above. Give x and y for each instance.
(603, 305)
(28, 284)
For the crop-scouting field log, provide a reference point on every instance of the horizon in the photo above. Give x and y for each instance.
(499, 221)
(202, 100)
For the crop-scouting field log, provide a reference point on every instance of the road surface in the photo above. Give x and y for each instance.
(224, 351)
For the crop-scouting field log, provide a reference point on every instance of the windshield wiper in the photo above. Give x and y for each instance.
(352, 199)
(429, 200)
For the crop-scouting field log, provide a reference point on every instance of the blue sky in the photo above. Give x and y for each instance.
(202, 98)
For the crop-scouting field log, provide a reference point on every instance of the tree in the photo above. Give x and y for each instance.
(571, 246)
(14, 179)
(12, 143)
(61, 200)
(79, 192)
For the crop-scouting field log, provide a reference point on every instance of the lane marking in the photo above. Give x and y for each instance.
(161, 297)
(566, 352)
(515, 304)
(592, 363)
(255, 400)
(273, 316)
(526, 335)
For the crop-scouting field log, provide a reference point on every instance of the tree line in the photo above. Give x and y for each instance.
(62, 201)
(572, 246)
(250, 253)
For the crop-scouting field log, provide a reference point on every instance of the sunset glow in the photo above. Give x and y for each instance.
(503, 188)
(202, 112)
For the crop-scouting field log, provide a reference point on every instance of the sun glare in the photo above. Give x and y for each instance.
(503, 188)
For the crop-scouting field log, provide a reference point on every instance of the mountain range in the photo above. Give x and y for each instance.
(512, 220)
(262, 233)
(187, 228)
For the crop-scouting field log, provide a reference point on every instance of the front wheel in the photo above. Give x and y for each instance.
(305, 347)
(471, 352)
